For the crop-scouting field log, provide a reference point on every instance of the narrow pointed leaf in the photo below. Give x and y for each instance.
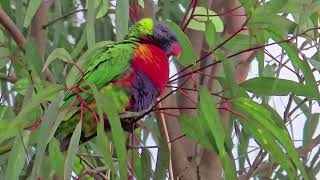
(17, 156)
(162, 161)
(58, 53)
(56, 157)
(122, 19)
(72, 150)
(31, 11)
(269, 86)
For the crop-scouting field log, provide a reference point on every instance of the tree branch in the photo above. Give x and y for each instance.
(11, 79)
(10, 26)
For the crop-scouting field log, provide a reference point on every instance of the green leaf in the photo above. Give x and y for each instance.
(106, 103)
(17, 156)
(6, 112)
(162, 161)
(267, 142)
(4, 52)
(273, 23)
(271, 7)
(240, 42)
(310, 128)
(72, 150)
(22, 85)
(269, 70)
(31, 11)
(56, 157)
(255, 112)
(269, 86)
(201, 15)
(103, 146)
(138, 171)
(146, 164)
(304, 108)
(295, 6)
(59, 53)
(210, 34)
(12, 126)
(80, 45)
(209, 114)
(49, 118)
(243, 147)
(188, 54)
(228, 68)
(122, 19)
(90, 24)
(32, 58)
(103, 9)
(315, 60)
(141, 3)
(193, 129)
(298, 63)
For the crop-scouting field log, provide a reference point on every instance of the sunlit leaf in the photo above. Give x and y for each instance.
(254, 112)
(141, 3)
(58, 53)
(202, 14)
(210, 34)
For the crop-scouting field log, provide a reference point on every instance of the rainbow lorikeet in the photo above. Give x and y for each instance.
(134, 71)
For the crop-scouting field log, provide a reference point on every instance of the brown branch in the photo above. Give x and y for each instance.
(10, 26)
(11, 79)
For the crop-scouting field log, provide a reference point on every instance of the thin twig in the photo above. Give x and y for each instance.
(63, 17)
(164, 129)
(92, 167)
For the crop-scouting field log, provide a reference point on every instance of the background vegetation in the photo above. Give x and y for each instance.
(213, 121)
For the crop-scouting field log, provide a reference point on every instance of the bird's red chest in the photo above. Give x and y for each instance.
(153, 62)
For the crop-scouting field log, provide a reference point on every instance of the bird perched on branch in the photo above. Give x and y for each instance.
(134, 71)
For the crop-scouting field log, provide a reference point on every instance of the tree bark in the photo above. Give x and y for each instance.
(40, 34)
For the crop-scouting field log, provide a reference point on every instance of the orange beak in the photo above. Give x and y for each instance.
(176, 50)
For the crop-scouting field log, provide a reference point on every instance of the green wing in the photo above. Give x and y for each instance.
(104, 67)
(109, 64)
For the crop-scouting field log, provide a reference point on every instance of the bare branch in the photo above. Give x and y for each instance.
(10, 26)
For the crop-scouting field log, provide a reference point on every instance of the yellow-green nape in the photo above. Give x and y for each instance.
(146, 25)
